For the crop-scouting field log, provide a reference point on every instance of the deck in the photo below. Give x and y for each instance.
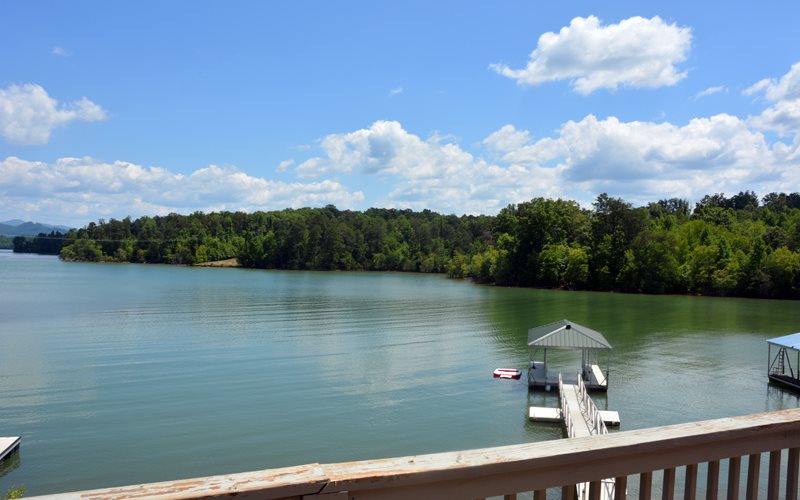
(724, 455)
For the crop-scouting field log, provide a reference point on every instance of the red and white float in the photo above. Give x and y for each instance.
(510, 373)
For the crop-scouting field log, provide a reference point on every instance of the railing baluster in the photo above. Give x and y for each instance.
(753, 469)
(712, 481)
(668, 488)
(568, 492)
(645, 485)
(690, 482)
(774, 479)
(620, 487)
(513, 496)
(595, 487)
(540, 495)
(734, 472)
(791, 473)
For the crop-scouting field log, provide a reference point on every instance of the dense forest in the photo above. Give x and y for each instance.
(44, 243)
(739, 245)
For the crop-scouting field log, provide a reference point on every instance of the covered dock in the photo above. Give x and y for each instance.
(567, 335)
(783, 359)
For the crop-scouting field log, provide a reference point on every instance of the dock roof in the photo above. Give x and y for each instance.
(791, 341)
(565, 334)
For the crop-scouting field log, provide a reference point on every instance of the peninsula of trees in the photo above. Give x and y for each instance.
(739, 245)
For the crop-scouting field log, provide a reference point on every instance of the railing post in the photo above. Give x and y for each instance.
(712, 481)
(690, 482)
(595, 488)
(734, 471)
(791, 473)
(774, 478)
(668, 488)
(753, 469)
(645, 485)
(620, 487)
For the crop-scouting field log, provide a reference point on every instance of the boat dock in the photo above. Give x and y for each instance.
(8, 445)
(581, 418)
(566, 335)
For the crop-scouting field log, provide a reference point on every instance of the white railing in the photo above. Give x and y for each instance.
(536, 467)
(590, 411)
(568, 423)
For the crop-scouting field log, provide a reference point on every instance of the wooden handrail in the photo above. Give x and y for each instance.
(515, 468)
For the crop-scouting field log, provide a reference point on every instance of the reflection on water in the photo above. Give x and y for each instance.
(117, 374)
(9, 463)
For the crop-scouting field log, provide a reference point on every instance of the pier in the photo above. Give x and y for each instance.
(581, 418)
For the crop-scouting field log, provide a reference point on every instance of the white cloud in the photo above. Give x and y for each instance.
(28, 114)
(284, 165)
(639, 161)
(88, 189)
(643, 161)
(507, 139)
(785, 88)
(637, 52)
(428, 173)
(61, 51)
(711, 91)
(784, 115)
(397, 90)
(757, 87)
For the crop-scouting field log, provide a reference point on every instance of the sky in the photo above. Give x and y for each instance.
(114, 109)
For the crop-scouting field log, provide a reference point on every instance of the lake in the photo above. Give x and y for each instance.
(117, 374)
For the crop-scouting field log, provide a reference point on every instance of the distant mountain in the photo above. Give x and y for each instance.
(12, 222)
(19, 228)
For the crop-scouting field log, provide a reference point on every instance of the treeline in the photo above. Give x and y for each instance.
(308, 238)
(739, 245)
(43, 243)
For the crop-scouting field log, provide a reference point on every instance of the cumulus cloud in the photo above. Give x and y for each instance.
(783, 116)
(28, 114)
(640, 161)
(636, 52)
(646, 160)
(86, 188)
(507, 139)
(428, 173)
(785, 88)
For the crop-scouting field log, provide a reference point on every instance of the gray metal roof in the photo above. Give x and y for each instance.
(565, 334)
(791, 341)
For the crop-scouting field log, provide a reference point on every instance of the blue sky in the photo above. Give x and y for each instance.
(110, 109)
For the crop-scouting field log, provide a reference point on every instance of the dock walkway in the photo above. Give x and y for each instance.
(582, 418)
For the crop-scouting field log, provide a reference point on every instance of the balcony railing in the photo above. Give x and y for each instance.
(677, 450)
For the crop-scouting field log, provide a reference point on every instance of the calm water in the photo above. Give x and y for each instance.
(118, 374)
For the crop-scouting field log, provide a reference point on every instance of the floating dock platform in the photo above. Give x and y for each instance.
(542, 414)
(9, 445)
